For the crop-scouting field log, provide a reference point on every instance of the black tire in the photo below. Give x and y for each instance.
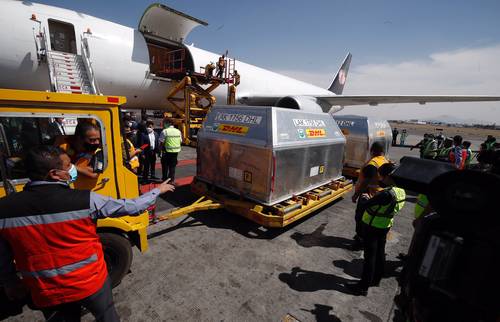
(118, 256)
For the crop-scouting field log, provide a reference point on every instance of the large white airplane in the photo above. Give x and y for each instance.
(114, 59)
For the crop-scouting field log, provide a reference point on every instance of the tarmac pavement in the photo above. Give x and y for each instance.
(217, 266)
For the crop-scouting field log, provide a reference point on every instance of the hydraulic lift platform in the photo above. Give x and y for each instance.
(275, 216)
(191, 98)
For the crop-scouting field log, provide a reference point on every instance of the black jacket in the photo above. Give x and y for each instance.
(144, 139)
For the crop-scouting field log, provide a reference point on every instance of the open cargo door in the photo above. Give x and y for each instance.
(166, 23)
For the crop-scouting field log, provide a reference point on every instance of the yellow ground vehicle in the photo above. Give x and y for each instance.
(275, 216)
(26, 119)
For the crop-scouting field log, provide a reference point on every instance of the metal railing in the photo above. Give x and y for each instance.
(50, 63)
(173, 61)
(88, 65)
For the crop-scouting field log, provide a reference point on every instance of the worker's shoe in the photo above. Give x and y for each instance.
(356, 288)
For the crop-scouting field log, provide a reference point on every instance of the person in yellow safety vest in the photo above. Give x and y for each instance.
(236, 78)
(430, 148)
(367, 186)
(421, 145)
(133, 161)
(422, 208)
(377, 220)
(209, 70)
(170, 140)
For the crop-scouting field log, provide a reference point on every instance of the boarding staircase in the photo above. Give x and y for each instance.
(68, 73)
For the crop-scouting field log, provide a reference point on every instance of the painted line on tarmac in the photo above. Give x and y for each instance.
(180, 163)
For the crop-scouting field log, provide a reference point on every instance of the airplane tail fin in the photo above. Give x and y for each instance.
(337, 85)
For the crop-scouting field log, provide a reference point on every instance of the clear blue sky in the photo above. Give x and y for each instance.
(311, 35)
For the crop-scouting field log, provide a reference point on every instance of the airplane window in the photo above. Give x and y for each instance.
(18, 134)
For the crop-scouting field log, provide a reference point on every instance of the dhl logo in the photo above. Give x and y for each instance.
(315, 133)
(232, 129)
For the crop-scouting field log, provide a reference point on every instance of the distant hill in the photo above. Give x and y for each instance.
(450, 119)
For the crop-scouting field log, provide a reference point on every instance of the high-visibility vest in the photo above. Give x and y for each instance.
(382, 216)
(373, 186)
(54, 243)
(427, 149)
(172, 140)
(420, 205)
(423, 144)
(490, 145)
(444, 153)
(134, 160)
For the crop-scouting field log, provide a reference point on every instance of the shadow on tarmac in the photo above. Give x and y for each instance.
(308, 281)
(221, 219)
(317, 238)
(355, 267)
(322, 313)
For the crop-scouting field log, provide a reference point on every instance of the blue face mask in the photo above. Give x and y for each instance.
(72, 173)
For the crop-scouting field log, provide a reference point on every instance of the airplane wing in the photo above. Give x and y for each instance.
(336, 99)
(374, 100)
(326, 102)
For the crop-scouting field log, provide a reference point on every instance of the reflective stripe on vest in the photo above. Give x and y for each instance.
(444, 152)
(422, 203)
(43, 219)
(382, 216)
(172, 140)
(66, 269)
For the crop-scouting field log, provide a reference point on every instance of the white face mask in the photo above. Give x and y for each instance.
(150, 130)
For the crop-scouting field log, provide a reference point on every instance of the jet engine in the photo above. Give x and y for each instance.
(303, 103)
(307, 103)
(335, 109)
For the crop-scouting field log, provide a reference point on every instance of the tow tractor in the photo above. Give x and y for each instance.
(27, 119)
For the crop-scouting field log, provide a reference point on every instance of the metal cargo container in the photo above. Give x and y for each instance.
(361, 132)
(268, 154)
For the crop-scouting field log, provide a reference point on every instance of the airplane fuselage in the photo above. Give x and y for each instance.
(119, 56)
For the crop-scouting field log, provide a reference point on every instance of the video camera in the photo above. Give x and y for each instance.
(453, 268)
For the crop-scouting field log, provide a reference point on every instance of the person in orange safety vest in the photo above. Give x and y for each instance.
(48, 238)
